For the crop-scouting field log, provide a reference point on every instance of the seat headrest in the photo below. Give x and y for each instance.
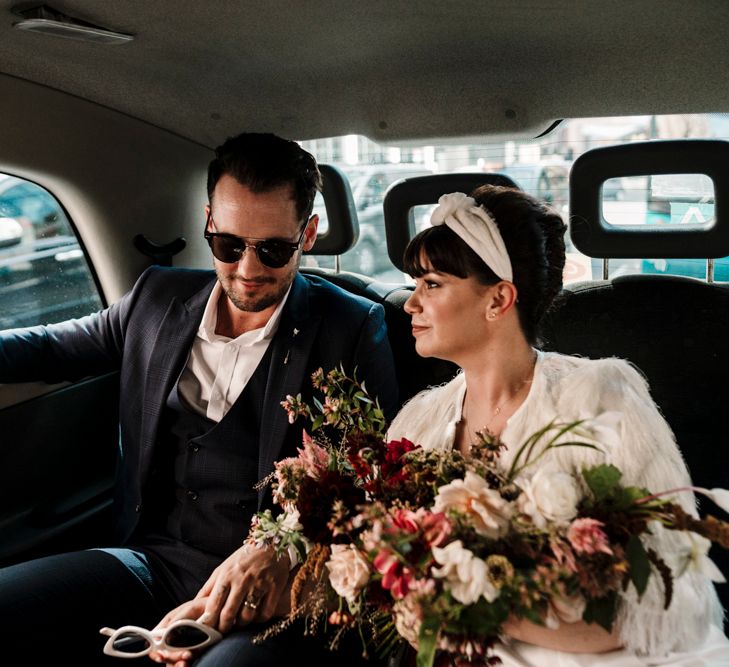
(402, 196)
(343, 229)
(592, 235)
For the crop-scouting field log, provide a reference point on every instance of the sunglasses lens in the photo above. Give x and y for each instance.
(274, 253)
(185, 636)
(226, 248)
(131, 642)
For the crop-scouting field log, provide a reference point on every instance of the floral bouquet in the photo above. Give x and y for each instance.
(438, 549)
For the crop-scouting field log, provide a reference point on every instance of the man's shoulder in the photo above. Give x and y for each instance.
(331, 297)
(173, 281)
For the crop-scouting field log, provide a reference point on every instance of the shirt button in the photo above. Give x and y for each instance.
(192, 494)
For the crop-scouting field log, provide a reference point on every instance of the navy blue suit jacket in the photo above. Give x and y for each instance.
(147, 335)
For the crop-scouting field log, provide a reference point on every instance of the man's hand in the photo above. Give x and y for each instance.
(251, 585)
(246, 587)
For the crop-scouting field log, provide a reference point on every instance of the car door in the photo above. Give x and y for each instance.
(57, 442)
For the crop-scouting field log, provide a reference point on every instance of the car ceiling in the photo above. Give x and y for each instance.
(390, 69)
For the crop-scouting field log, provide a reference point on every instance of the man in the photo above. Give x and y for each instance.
(205, 361)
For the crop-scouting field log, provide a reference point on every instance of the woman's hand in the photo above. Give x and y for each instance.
(193, 609)
(579, 637)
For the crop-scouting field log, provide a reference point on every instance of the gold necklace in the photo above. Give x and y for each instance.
(499, 408)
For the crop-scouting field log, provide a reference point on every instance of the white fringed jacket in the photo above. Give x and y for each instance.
(571, 388)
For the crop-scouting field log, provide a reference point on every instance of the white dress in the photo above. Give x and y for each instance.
(689, 632)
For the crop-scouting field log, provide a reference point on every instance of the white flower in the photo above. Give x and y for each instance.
(349, 571)
(290, 521)
(549, 496)
(408, 618)
(692, 557)
(448, 204)
(466, 577)
(487, 511)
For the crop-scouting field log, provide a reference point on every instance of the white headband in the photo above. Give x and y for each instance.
(477, 228)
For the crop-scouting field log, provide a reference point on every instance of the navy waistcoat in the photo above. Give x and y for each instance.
(201, 488)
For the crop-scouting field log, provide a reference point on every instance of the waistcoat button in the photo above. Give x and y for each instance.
(192, 494)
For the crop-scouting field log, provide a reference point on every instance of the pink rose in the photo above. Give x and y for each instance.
(395, 577)
(587, 536)
(436, 528)
(349, 571)
(405, 520)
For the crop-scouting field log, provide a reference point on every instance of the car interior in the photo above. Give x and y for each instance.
(113, 110)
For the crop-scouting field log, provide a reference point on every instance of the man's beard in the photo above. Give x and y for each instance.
(262, 301)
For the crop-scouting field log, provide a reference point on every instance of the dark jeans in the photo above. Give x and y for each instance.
(51, 610)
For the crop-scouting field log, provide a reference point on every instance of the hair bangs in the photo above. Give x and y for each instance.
(441, 249)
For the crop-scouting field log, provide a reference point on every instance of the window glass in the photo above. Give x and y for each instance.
(44, 275)
(540, 166)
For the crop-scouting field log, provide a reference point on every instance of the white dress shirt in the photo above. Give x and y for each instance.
(218, 367)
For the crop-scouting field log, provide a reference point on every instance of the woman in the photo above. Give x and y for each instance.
(485, 274)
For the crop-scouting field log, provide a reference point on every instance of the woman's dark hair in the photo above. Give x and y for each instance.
(264, 162)
(534, 237)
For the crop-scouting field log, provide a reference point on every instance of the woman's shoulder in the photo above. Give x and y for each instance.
(564, 368)
(440, 395)
(433, 406)
(593, 384)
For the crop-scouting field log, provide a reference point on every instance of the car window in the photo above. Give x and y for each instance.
(44, 274)
(541, 167)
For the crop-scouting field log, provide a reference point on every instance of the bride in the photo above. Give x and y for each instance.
(485, 273)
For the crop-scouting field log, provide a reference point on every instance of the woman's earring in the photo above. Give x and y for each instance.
(492, 315)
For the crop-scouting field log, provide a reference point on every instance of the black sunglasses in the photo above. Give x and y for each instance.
(229, 248)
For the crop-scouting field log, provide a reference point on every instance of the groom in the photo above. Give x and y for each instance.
(205, 360)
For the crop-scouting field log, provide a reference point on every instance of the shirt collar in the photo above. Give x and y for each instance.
(206, 330)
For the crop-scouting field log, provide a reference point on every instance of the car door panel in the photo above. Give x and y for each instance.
(65, 444)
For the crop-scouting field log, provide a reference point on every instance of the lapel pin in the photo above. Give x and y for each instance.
(286, 358)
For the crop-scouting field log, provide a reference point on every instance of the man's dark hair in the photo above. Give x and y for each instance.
(264, 162)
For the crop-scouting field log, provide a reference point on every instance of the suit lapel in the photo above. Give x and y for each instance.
(289, 364)
(169, 353)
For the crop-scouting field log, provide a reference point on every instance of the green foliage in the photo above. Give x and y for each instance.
(601, 610)
(640, 565)
(427, 641)
(603, 480)
(344, 404)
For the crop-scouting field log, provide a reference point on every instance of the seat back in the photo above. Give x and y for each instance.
(672, 329)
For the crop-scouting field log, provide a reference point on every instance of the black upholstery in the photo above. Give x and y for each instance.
(595, 237)
(674, 331)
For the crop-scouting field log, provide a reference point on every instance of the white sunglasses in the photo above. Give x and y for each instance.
(131, 641)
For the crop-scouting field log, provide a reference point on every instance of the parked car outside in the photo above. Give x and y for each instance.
(11, 232)
(44, 276)
(368, 183)
(548, 181)
(32, 206)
